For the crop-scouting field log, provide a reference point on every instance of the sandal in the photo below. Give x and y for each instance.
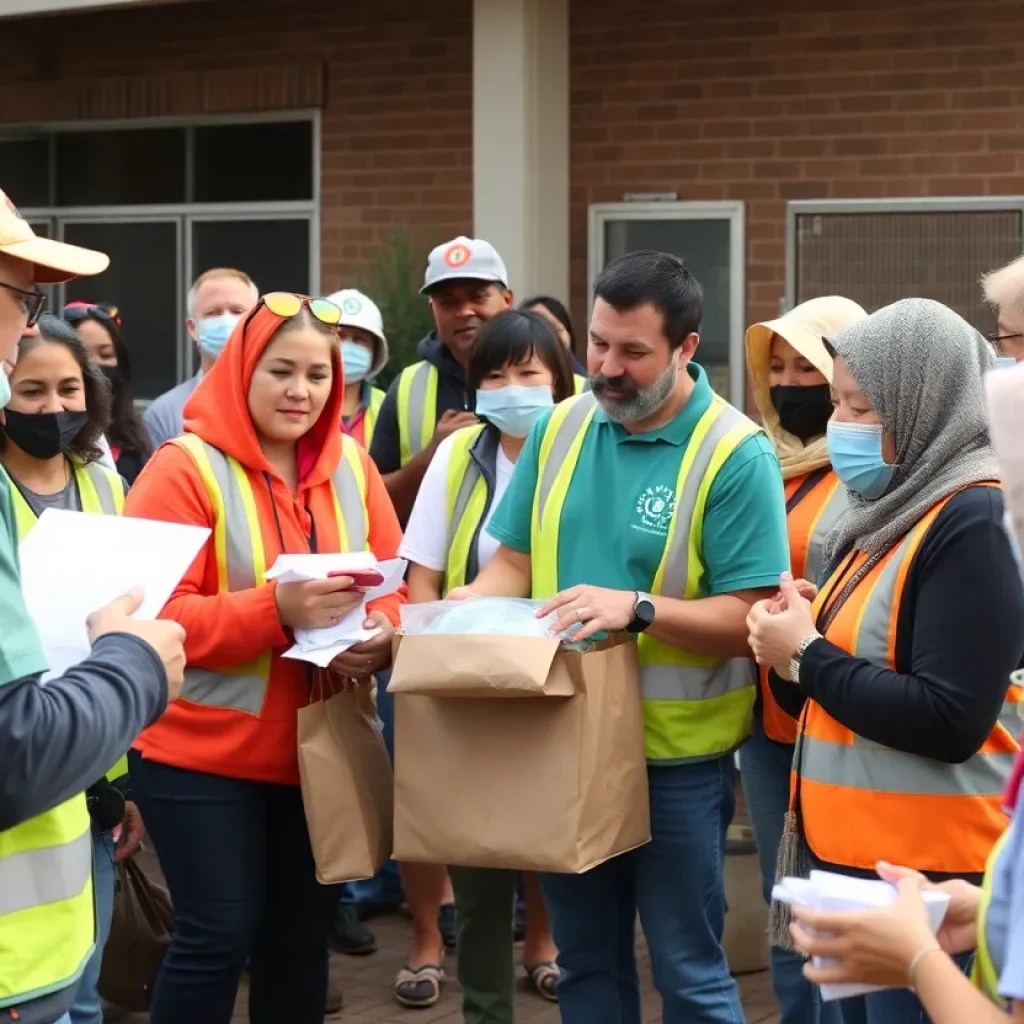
(543, 978)
(419, 987)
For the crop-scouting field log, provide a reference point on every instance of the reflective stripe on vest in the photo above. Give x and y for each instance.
(417, 408)
(100, 491)
(807, 523)
(47, 920)
(466, 505)
(861, 800)
(241, 562)
(983, 970)
(695, 707)
(371, 414)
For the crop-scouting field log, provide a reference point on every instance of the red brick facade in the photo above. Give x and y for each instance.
(712, 99)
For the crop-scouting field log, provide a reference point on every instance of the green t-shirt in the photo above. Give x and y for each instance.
(20, 652)
(621, 498)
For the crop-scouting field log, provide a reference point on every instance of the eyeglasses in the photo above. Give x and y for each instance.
(997, 339)
(287, 304)
(75, 312)
(31, 302)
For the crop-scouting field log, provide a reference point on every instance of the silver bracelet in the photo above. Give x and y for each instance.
(918, 957)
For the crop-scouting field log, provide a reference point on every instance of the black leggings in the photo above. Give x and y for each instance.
(239, 867)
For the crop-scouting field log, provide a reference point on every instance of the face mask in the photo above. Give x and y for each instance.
(113, 375)
(44, 435)
(213, 333)
(355, 361)
(5, 388)
(856, 453)
(1004, 363)
(803, 411)
(514, 409)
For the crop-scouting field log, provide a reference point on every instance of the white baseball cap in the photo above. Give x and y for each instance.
(464, 259)
(359, 310)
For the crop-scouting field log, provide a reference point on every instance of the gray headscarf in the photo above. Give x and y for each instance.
(921, 367)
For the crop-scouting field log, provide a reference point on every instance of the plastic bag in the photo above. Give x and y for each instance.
(494, 616)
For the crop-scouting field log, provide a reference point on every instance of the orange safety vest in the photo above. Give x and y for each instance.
(860, 800)
(814, 502)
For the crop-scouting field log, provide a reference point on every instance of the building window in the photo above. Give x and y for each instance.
(710, 239)
(166, 202)
(879, 251)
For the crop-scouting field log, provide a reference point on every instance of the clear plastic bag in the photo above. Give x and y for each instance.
(494, 616)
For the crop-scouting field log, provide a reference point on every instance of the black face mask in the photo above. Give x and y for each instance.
(803, 411)
(44, 435)
(113, 375)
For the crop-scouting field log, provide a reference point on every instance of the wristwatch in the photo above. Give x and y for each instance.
(643, 613)
(798, 656)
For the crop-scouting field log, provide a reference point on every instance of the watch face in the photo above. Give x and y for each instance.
(644, 610)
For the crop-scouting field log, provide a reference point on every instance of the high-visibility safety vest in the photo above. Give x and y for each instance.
(100, 491)
(580, 383)
(983, 970)
(242, 563)
(860, 800)
(371, 414)
(813, 504)
(417, 408)
(695, 706)
(471, 474)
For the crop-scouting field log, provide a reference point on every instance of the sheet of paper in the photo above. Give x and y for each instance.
(302, 567)
(323, 656)
(73, 563)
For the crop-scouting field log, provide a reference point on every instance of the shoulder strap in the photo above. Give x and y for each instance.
(810, 482)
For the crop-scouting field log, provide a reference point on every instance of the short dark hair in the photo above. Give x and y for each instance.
(85, 447)
(557, 310)
(659, 279)
(514, 337)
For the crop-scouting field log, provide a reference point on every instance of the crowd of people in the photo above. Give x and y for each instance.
(830, 600)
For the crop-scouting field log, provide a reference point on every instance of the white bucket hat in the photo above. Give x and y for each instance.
(358, 310)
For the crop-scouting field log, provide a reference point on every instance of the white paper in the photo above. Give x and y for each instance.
(73, 563)
(831, 893)
(300, 568)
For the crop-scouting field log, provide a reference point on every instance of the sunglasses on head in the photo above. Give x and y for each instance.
(76, 312)
(288, 304)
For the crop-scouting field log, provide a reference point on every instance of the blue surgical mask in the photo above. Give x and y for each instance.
(213, 333)
(356, 361)
(855, 450)
(1004, 363)
(514, 409)
(5, 388)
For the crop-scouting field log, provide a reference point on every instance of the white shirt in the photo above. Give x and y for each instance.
(107, 458)
(426, 536)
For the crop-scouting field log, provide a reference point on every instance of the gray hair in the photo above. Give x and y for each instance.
(921, 366)
(1004, 288)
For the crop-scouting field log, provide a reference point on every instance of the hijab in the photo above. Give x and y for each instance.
(803, 327)
(920, 365)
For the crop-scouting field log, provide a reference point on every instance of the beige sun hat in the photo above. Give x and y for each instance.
(54, 261)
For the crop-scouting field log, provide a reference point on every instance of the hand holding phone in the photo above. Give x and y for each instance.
(359, 577)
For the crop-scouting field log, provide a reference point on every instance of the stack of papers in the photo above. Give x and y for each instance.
(321, 646)
(833, 893)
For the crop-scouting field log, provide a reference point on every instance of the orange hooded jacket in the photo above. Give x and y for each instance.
(228, 629)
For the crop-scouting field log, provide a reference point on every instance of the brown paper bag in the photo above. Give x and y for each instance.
(533, 785)
(347, 784)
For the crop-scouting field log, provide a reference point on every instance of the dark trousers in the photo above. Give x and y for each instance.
(238, 863)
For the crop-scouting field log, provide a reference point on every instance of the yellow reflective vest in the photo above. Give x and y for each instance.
(580, 382)
(371, 414)
(470, 491)
(416, 405)
(695, 706)
(242, 563)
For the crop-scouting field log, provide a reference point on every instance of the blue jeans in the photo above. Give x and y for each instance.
(677, 883)
(386, 885)
(86, 1008)
(765, 767)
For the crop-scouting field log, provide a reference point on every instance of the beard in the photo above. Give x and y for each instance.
(636, 403)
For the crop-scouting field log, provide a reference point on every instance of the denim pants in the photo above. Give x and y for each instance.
(86, 1008)
(239, 867)
(765, 768)
(677, 883)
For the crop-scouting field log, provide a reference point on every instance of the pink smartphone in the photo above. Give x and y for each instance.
(360, 577)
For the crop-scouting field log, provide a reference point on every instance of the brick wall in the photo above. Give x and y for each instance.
(735, 99)
(397, 124)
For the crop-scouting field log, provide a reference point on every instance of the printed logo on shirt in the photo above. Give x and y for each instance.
(654, 510)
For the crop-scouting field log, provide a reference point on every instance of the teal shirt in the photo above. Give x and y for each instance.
(620, 501)
(20, 652)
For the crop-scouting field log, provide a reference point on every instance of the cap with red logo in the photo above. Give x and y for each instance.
(54, 261)
(463, 259)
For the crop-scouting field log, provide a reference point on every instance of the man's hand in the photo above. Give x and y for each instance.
(165, 637)
(132, 830)
(594, 609)
(315, 604)
(451, 421)
(364, 660)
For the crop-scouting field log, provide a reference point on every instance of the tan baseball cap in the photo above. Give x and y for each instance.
(55, 262)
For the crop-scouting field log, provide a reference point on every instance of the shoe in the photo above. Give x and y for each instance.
(419, 987)
(349, 935)
(446, 925)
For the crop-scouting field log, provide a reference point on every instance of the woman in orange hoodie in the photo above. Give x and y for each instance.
(264, 465)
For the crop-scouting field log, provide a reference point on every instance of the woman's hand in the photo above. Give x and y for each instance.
(129, 839)
(459, 594)
(777, 626)
(362, 661)
(959, 931)
(316, 604)
(871, 947)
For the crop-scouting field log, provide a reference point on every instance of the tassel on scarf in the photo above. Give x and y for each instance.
(793, 862)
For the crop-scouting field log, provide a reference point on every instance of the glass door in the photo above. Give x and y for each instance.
(710, 238)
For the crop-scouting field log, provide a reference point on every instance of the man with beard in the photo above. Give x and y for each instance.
(467, 284)
(682, 496)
